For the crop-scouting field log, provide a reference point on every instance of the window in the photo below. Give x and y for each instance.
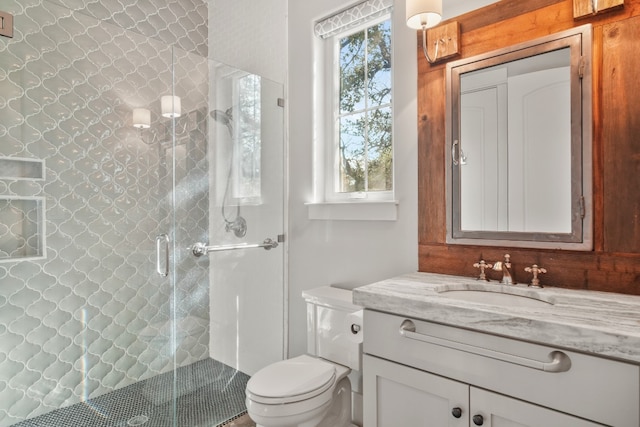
(355, 140)
(248, 139)
(362, 149)
(238, 126)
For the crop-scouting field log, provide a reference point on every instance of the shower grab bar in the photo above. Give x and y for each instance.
(200, 249)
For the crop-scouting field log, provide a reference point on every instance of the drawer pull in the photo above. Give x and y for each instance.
(559, 361)
(478, 420)
(456, 412)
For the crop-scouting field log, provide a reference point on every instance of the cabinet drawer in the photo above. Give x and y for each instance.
(598, 389)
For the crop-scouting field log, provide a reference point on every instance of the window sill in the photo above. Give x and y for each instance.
(354, 210)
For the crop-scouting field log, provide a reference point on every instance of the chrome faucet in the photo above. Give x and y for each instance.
(505, 267)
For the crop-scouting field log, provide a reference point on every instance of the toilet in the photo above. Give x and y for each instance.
(313, 390)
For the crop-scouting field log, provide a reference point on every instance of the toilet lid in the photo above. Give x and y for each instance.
(291, 380)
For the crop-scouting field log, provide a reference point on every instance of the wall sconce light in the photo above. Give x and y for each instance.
(141, 118)
(170, 106)
(423, 14)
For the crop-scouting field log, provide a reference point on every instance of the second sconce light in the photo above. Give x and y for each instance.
(425, 14)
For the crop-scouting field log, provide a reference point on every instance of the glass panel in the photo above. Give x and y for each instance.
(379, 64)
(246, 300)
(352, 153)
(194, 371)
(380, 151)
(352, 65)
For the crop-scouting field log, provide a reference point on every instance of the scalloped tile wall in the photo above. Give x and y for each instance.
(70, 324)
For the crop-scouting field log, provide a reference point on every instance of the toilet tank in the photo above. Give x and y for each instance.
(330, 314)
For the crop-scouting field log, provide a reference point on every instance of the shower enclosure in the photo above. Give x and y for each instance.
(122, 146)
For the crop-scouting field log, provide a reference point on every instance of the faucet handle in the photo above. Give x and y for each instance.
(482, 266)
(535, 282)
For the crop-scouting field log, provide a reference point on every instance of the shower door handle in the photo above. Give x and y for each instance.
(162, 238)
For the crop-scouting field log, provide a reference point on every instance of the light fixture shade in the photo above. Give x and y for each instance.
(170, 106)
(423, 13)
(141, 118)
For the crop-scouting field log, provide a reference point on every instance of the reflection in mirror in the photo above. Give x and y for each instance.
(519, 126)
(509, 187)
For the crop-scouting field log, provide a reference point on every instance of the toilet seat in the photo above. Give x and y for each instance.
(292, 380)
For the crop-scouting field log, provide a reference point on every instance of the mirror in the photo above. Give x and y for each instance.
(519, 145)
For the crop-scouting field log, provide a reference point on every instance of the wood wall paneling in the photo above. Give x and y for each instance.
(431, 158)
(614, 264)
(621, 135)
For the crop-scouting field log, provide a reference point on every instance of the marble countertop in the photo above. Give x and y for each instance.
(600, 323)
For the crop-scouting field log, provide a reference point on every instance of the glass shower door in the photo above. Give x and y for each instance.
(117, 154)
(229, 246)
(86, 185)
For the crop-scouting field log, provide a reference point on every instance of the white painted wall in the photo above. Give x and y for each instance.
(250, 35)
(345, 253)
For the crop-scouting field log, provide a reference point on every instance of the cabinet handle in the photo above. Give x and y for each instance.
(478, 420)
(559, 362)
(456, 412)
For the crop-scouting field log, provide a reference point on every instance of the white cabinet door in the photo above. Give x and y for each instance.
(396, 395)
(495, 410)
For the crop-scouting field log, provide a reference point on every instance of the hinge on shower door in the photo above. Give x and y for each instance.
(6, 24)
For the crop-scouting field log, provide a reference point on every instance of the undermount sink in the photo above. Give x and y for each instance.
(500, 295)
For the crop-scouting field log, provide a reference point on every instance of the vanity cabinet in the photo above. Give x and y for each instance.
(398, 395)
(418, 373)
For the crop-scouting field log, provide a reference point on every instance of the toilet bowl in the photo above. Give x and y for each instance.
(298, 392)
(311, 390)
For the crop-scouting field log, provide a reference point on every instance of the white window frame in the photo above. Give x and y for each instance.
(332, 115)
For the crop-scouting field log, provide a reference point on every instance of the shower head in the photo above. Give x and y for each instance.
(224, 117)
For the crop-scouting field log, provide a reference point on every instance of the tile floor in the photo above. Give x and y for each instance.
(209, 395)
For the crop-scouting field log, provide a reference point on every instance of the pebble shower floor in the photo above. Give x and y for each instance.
(209, 394)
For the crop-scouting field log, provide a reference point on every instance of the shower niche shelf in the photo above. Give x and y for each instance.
(21, 228)
(21, 169)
